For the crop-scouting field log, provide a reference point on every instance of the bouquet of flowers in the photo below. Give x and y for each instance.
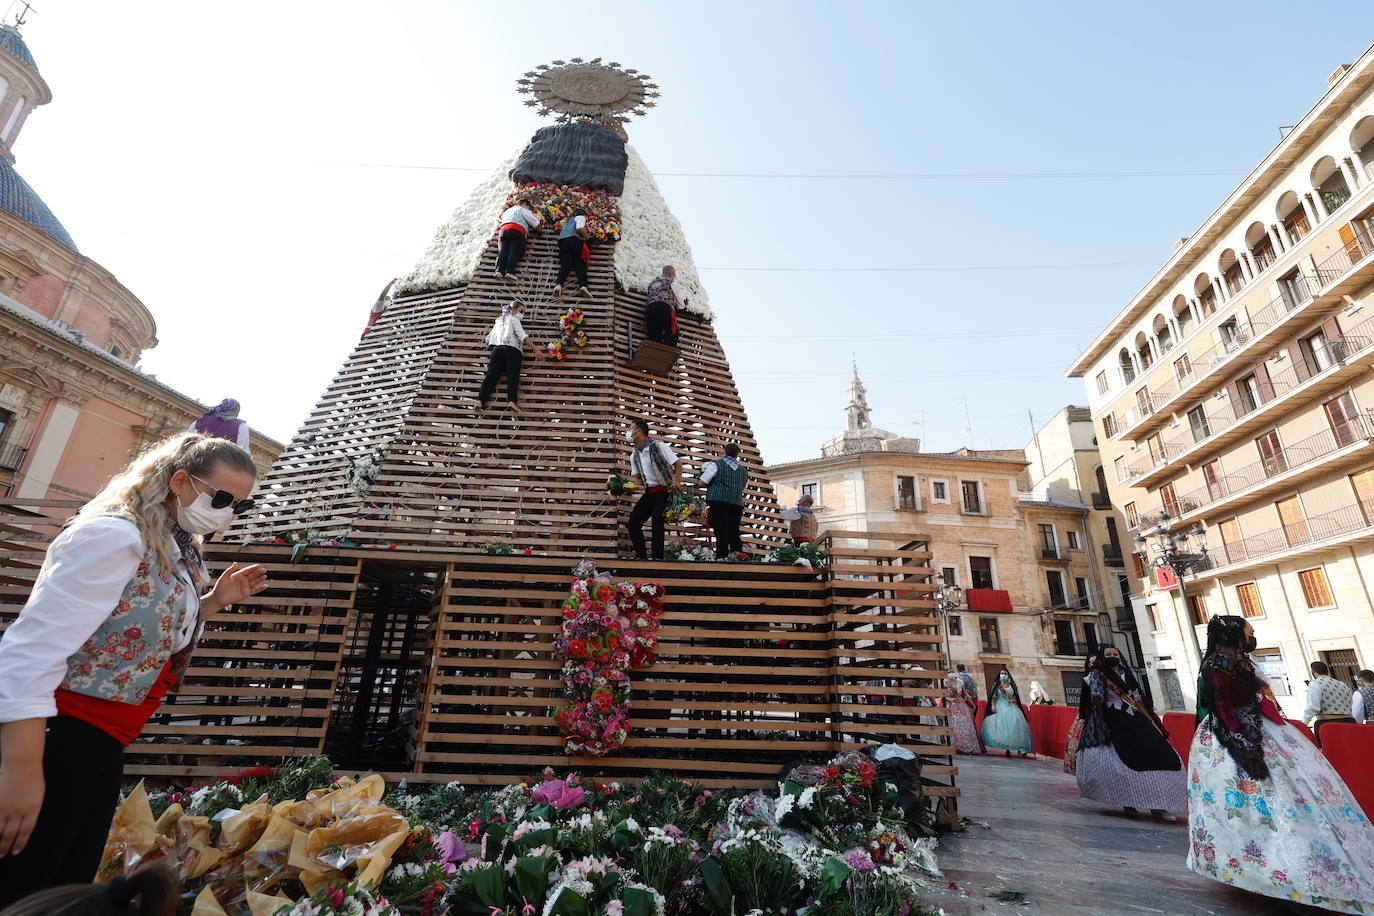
(570, 327)
(619, 486)
(555, 203)
(497, 548)
(686, 506)
(353, 899)
(808, 555)
(606, 629)
(556, 351)
(686, 550)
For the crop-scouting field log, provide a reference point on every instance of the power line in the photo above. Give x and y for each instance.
(996, 267)
(842, 176)
(1027, 332)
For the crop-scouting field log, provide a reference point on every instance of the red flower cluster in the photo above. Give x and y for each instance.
(607, 629)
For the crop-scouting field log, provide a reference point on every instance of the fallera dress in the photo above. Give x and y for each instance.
(965, 738)
(1297, 835)
(1006, 729)
(1123, 758)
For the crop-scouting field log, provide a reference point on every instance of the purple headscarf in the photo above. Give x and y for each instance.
(221, 421)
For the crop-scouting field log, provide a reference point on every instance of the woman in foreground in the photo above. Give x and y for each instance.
(106, 633)
(1266, 811)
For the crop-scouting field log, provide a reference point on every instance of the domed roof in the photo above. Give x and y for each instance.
(13, 42)
(23, 201)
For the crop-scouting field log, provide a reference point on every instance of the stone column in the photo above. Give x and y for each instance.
(1276, 239)
(1352, 177)
(47, 450)
(1246, 266)
(1315, 210)
(1219, 288)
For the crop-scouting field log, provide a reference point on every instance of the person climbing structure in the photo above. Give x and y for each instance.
(507, 339)
(516, 225)
(573, 253)
(660, 308)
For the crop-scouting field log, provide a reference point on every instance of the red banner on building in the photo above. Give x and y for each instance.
(1165, 580)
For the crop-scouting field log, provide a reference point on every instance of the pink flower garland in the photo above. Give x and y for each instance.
(607, 629)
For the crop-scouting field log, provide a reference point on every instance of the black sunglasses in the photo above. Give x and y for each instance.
(222, 498)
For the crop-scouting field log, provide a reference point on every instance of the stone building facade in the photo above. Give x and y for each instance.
(986, 533)
(1233, 396)
(73, 405)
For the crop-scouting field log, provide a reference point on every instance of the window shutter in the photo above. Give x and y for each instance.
(1300, 358)
(1233, 394)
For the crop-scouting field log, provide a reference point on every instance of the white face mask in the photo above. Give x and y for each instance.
(630, 436)
(200, 517)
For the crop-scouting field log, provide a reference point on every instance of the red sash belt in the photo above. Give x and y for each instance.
(516, 226)
(655, 489)
(121, 721)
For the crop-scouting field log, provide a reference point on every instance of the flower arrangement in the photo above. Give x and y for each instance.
(607, 629)
(549, 845)
(686, 506)
(555, 203)
(363, 469)
(570, 326)
(808, 555)
(686, 550)
(618, 486)
(498, 548)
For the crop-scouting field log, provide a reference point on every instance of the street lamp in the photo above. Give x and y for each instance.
(950, 599)
(1172, 551)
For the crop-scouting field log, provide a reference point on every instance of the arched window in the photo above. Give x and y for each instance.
(1231, 272)
(1206, 294)
(1143, 352)
(1362, 142)
(1183, 314)
(1330, 183)
(1293, 217)
(10, 124)
(1164, 338)
(1127, 366)
(1260, 245)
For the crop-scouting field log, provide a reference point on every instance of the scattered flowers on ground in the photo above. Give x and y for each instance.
(828, 840)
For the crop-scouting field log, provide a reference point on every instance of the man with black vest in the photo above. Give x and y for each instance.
(660, 471)
(725, 479)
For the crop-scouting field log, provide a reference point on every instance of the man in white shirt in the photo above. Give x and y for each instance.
(660, 471)
(516, 225)
(507, 339)
(1328, 700)
(1362, 701)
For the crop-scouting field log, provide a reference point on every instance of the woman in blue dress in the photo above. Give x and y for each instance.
(1005, 725)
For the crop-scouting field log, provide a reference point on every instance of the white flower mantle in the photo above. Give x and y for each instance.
(650, 238)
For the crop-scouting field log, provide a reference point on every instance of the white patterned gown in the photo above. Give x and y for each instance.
(1298, 835)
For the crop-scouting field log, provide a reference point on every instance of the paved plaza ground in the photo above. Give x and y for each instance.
(1071, 856)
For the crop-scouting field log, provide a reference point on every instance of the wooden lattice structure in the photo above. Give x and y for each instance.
(451, 479)
(438, 666)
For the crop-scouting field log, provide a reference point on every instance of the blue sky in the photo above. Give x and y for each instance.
(239, 174)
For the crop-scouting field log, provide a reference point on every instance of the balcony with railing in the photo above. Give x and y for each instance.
(12, 457)
(1348, 523)
(1209, 432)
(1101, 500)
(1287, 467)
(1111, 555)
(1198, 366)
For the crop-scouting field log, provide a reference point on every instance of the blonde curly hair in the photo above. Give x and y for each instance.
(139, 492)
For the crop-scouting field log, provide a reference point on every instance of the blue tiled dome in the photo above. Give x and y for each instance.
(23, 201)
(13, 42)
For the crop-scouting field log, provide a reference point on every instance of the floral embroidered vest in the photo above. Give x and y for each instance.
(124, 656)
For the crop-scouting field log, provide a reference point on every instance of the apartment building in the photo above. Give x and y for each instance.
(1233, 398)
(1023, 559)
(1065, 467)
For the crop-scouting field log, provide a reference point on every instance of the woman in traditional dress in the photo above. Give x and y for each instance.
(106, 633)
(1266, 811)
(1076, 729)
(1038, 695)
(1005, 725)
(962, 709)
(1124, 755)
